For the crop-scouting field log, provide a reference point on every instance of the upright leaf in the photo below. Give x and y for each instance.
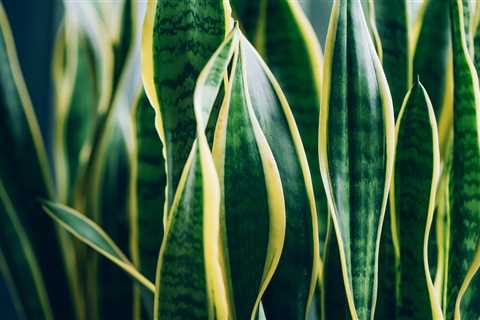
(291, 287)
(413, 195)
(147, 193)
(252, 208)
(178, 39)
(465, 212)
(298, 68)
(25, 177)
(393, 29)
(432, 54)
(356, 147)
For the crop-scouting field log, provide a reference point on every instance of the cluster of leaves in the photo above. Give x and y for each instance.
(253, 177)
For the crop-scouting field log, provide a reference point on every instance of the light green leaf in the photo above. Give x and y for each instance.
(462, 298)
(413, 195)
(356, 147)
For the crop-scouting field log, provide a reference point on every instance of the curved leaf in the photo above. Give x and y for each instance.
(188, 268)
(92, 235)
(253, 225)
(356, 147)
(178, 39)
(413, 195)
(465, 215)
(298, 68)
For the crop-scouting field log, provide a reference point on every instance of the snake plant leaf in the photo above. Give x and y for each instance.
(298, 69)
(292, 286)
(432, 61)
(253, 226)
(148, 188)
(75, 103)
(413, 195)
(189, 256)
(196, 216)
(13, 307)
(178, 39)
(465, 216)
(356, 153)
(393, 28)
(92, 235)
(26, 161)
(17, 252)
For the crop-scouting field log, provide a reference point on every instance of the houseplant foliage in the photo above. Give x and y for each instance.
(210, 161)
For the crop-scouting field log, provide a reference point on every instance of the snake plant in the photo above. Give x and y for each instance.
(210, 160)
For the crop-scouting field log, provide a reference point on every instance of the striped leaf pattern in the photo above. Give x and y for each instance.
(178, 39)
(465, 179)
(297, 67)
(413, 195)
(356, 157)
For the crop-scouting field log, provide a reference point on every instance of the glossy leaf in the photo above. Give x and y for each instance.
(178, 39)
(356, 147)
(291, 288)
(297, 67)
(252, 235)
(465, 217)
(25, 176)
(413, 195)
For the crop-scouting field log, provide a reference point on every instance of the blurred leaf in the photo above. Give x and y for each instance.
(465, 217)
(25, 176)
(92, 235)
(356, 158)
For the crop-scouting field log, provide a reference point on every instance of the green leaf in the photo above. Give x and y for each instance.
(253, 224)
(75, 103)
(25, 176)
(147, 183)
(413, 195)
(13, 303)
(356, 156)
(92, 235)
(254, 95)
(178, 40)
(432, 54)
(465, 216)
(298, 69)
(393, 29)
(147, 193)
(189, 256)
(18, 253)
